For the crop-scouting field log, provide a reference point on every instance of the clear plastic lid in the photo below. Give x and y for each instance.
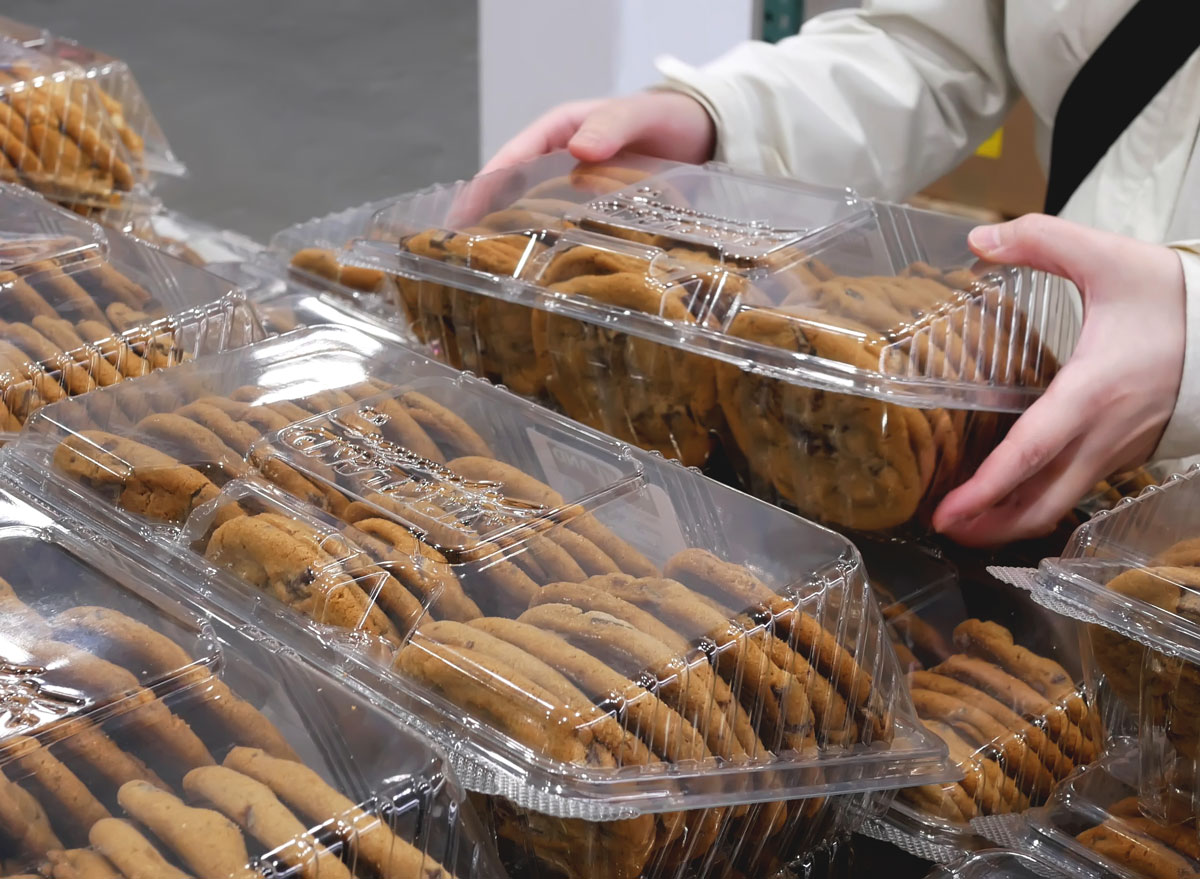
(118, 93)
(710, 316)
(140, 737)
(1000, 679)
(1095, 827)
(64, 136)
(81, 308)
(595, 630)
(194, 241)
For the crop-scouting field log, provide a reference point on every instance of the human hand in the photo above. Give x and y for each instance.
(666, 125)
(1107, 407)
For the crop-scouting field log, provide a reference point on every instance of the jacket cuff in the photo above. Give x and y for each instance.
(1182, 436)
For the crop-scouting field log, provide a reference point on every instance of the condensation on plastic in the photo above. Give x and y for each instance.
(1012, 738)
(710, 316)
(120, 699)
(683, 720)
(1131, 573)
(82, 308)
(123, 101)
(1094, 826)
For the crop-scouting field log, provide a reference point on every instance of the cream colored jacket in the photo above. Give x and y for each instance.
(889, 98)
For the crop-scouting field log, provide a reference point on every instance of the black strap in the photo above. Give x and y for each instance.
(1148, 47)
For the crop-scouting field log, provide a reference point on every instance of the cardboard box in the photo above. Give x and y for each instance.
(1003, 177)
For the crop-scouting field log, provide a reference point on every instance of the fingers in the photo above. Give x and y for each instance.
(1035, 441)
(1045, 243)
(551, 131)
(607, 129)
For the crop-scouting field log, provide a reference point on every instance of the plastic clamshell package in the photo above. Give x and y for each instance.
(641, 663)
(1130, 574)
(847, 358)
(997, 864)
(194, 241)
(140, 733)
(1093, 826)
(1003, 683)
(122, 99)
(82, 308)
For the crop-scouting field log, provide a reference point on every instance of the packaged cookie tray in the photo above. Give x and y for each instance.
(999, 679)
(139, 737)
(844, 357)
(1130, 573)
(1095, 826)
(631, 659)
(82, 308)
(64, 131)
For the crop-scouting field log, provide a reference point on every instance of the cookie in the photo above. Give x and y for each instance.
(83, 742)
(644, 392)
(1053, 759)
(947, 801)
(303, 791)
(1132, 851)
(21, 301)
(453, 436)
(63, 334)
(130, 852)
(592, 596)
(993, 792)
(1022, 699)
(159, 655)
(192, 444)
(24, 822)
(421, 569)
(396, 423)
(107, 285)
(114, 349)
(271, 554)
(660, 727)
(235, 434)
(41, 350)
(253, 806)
(982, 730)
(324, 264)
(592, 560)
(625, 747)
(736, 587)
(639, 657)
(206, 841)
(72, 802)
(136, 477)
(993, 642)
(81, 863)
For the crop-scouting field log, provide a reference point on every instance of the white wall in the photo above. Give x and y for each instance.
(534, 54)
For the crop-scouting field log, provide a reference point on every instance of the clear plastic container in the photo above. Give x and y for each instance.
(194, 241)
(118, 93)
(636, 665)
(141, 737)
(1129, 573)
(848, 358)
(1000, 679)
(63, 134)
(998, 864)
(1095, 826)
(82, 308)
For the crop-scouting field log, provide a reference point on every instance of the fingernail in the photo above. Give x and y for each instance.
(985, 239)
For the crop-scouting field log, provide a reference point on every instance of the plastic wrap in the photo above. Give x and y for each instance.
(637, 664)
(848, 358)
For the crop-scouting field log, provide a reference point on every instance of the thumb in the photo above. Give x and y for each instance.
(1040, 242)
(606, 131)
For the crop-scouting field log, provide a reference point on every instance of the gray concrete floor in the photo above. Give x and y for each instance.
(283, 111)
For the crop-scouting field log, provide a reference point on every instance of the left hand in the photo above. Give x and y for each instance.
(1107, 407)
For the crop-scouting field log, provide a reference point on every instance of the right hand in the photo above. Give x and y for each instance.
(666, 125)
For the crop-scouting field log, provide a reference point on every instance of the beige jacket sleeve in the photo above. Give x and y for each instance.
(884, 99)
(1182, 436)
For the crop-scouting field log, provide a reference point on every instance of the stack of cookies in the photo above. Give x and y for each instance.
(403, 530)
(103, 777)
(1143, 846)
(642, 272)
(63, 135)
